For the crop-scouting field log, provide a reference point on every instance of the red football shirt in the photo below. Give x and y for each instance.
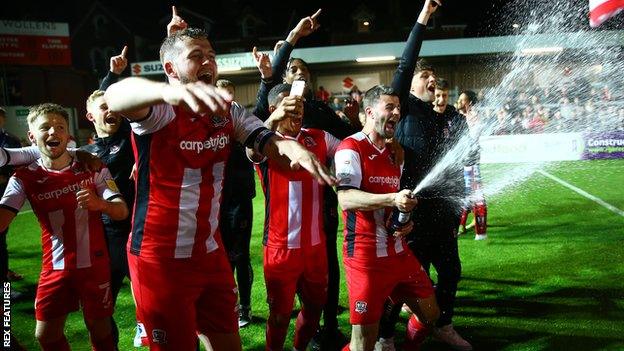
(71, 237)
(293, 199)
(181, 160)
(361, 165)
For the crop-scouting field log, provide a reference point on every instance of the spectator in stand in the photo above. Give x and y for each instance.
(322, 94)
(336, 105)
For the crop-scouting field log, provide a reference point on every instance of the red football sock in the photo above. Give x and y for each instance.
(464, 217)
(416, 333)
(306, 326)
(480, 212)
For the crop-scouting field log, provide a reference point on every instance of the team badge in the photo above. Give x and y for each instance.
(159, 336)
(219, 122)
(112, 185)
(309, 141)
(361, 307)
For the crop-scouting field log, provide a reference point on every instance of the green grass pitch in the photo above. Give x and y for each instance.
(550, 276)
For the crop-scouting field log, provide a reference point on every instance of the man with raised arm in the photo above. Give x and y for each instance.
(68, 202)
(183, 132)
(377, 263)
(434, 238)
(118, 64)
(295, 258)
(318, 115)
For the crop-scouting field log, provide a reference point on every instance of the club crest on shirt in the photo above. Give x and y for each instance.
(309, 141)
(159, 336)
(112, 185)
(219, 121)
(361, 307)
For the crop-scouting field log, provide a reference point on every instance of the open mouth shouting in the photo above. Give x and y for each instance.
(205, 77)
(431, 87)
(390, 128)
(111, 120)
(52, 144)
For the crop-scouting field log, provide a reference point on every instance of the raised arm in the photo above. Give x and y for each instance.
(117, 65)
(18, 156)
(263, 62)
(403, 75)
(305, 27)
(133, 96)
(177, 23)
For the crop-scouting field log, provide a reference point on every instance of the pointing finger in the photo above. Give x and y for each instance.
(316, 14)
(174, 11)
(124, 51)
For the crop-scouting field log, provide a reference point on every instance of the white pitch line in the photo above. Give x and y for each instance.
(584, 193)
(24, 212)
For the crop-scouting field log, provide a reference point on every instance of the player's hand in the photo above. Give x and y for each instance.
(403, 231)
(198, 97)
(176, 24)
(90, 162)
(88, 200)
(403, 201)
(291, 106)
(305, 27)
(300, 157)
(263, 62)
(119, 63)
(431, 6)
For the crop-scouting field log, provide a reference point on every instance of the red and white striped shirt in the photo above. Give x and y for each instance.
(71, 237)
(181, 160)
(294, 199)
(361, 165)
(601, 10)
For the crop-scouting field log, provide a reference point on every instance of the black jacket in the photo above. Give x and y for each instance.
(116, 152)
(425, 136)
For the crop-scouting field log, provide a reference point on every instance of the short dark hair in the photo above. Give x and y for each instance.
(274, 98)
(442, 84)
(423, 65)
(290, 61)
(224, 83)
(372, 95)
(169, 46)
(472, 96)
